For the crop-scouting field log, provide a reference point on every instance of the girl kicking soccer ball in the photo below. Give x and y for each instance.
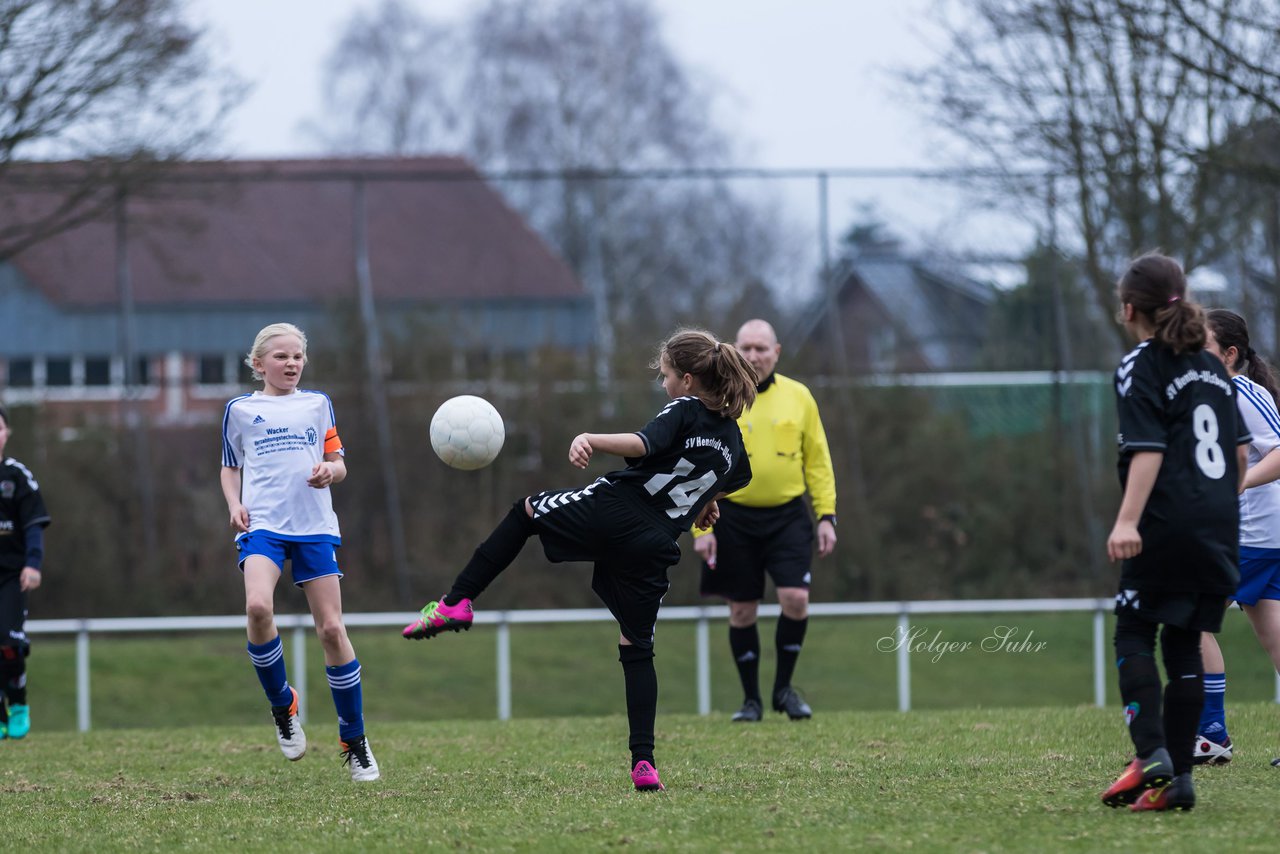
(627, 522)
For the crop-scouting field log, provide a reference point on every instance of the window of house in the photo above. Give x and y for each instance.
(57, 371)
(97, 370)
(142, 371)
(213, 369)
(882, 347)
(22, 373)
(244, 374)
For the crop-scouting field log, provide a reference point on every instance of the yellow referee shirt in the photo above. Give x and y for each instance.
(783, 435)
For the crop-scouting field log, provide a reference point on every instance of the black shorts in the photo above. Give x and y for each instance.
(1197, 612)
(13, 612)
(752, 541)
(631, 551)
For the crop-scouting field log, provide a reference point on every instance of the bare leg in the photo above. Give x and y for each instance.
(1265, 617)
(260, 578)
(1211, 653)
(324, 596)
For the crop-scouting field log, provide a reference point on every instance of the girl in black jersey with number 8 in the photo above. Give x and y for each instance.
(1183, 455)
(627, 522)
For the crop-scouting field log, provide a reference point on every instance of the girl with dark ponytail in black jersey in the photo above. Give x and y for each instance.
(1182, 457)
(627, 521)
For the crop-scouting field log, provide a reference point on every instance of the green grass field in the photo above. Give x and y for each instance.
(1004, 751)
(955, 780)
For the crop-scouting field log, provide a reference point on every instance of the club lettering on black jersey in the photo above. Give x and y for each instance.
(692, 455)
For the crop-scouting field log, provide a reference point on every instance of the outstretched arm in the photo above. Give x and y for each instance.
(621, 444)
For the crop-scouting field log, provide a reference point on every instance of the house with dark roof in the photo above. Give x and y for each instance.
(190, 267)
(896, 314)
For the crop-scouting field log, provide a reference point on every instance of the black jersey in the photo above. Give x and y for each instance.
(1184, 406)
(691, 455)
(21, 506)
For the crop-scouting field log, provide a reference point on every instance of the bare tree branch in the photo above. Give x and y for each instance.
(116, 86)
(565, 86)
(1225, 55)
(1095, 90)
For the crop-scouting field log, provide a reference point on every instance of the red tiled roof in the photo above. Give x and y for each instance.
(270, 231)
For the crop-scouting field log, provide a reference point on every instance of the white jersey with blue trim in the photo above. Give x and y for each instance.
(276, 441)
(1259, 506)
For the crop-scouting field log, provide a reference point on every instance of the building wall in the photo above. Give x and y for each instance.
(872, 340)
(188, 356)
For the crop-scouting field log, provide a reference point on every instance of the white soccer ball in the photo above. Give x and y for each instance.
(467, 432)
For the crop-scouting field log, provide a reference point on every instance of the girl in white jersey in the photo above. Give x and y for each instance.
(1259, 592)
(280, 455)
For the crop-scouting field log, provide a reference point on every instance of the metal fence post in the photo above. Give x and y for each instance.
(82, 677)
(1099, 658)
(704, 666)
(504, 667)
(300, 668)
(904, 660)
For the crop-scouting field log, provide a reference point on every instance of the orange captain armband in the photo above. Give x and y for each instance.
(332, 444)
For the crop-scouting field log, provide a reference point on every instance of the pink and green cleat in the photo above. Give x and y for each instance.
(438, 617)
(1140, 775)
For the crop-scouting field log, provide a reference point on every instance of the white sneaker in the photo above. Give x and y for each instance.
(293, 741)
(1209, 752)
(357, 754)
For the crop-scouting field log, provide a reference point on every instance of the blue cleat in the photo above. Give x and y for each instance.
(19, 721)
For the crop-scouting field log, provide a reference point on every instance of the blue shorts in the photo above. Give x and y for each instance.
(309, 560)
(1259, 575)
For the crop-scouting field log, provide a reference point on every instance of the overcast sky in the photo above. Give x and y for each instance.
(806, 84)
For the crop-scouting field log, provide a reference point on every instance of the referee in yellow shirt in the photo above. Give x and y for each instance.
(766, 526)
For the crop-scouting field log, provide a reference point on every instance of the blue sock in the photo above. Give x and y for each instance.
(344, 684)
(268, 660)
(1213, 720)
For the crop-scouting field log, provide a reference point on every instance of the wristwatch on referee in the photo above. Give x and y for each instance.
(829, 517)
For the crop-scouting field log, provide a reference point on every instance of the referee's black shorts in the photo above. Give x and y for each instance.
(631, 551)
(13, 612)
(753, 541)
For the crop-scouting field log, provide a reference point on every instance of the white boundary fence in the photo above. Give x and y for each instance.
(301, 625)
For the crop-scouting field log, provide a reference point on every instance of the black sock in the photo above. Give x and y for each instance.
(642, 700)
(13, 669)
(1183, 702)
(745, 644)
(788, 638)
(1183, 696)
(493, 555)
(1140, 693)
